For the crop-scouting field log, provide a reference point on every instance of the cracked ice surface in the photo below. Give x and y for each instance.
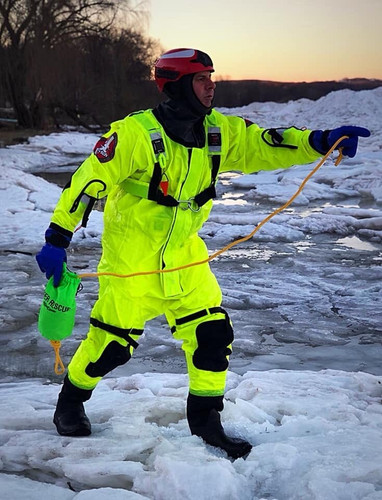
(305, 299)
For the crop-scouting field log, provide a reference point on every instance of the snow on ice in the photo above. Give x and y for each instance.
(304, 295)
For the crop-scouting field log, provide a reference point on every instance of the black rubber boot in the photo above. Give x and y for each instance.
(204, 420)
(70, 418)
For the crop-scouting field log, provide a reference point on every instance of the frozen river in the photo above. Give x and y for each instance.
(310, 303)
(304, 293)
(304, 386)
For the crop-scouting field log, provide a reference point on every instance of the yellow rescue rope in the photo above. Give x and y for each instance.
(236, 242)
(59, 367)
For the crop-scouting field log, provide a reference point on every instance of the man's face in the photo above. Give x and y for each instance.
(204, 87)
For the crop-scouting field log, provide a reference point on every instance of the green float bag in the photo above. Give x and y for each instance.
(58, 309)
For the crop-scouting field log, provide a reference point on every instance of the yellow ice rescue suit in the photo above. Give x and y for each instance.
(159, 194)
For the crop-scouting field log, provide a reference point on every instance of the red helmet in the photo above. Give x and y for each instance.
(175, 63)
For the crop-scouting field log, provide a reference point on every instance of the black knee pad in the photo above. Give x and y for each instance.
(114, 355)
(213, 338)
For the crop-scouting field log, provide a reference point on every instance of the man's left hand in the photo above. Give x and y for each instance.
(323, 140)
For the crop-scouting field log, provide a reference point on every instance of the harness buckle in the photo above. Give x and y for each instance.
(190, 204)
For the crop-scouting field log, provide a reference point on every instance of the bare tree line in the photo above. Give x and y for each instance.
(73, 59)
(88, 62)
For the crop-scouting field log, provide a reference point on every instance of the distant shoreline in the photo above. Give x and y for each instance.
(236, 93)
(229, 94)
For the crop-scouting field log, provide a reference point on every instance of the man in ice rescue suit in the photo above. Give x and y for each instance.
(158, 169)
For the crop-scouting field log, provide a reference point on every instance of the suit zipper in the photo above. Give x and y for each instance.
(176, 209)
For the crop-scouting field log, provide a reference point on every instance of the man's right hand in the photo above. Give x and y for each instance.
(52, 256)
(50, 260)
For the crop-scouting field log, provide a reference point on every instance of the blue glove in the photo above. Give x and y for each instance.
(52, 256)
(323, 140)
(50, 260)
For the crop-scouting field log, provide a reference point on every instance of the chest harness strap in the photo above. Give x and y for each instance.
(156, 190)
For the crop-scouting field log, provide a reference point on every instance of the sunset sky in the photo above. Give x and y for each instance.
(280, 40)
